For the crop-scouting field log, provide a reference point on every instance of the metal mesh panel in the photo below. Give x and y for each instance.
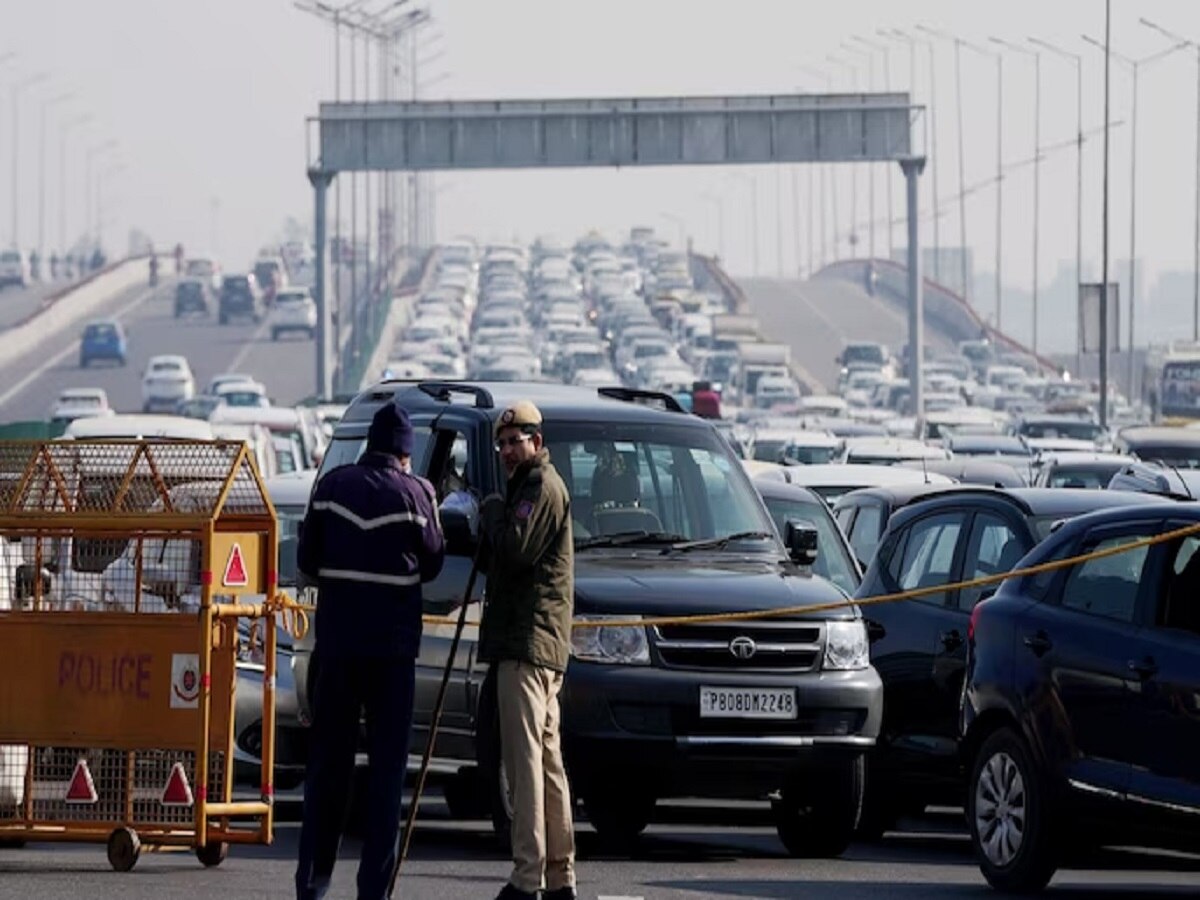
(152, 769)
(14, 761)
(53, 770)
(116, 794)
(245, 498)
(127, 477)
(75, 558)
(167, 568)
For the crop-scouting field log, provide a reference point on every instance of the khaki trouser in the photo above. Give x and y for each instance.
(543, 833)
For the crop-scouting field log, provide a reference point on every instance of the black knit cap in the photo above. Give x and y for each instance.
(390, 431)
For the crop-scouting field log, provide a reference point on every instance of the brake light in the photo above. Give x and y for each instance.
(971, 623)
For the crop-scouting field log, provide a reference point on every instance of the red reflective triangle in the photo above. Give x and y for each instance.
(81, 789)
(177, 792)
(235, 569)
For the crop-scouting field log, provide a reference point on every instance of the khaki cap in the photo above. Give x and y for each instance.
(523, 415)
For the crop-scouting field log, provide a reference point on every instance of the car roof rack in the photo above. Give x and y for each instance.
(444, 390)
(654, 399)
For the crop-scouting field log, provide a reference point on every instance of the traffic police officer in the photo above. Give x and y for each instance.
(369, 540)
(525, 635)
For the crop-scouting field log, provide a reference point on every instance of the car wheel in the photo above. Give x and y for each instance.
(1009, 816)
(880, 811)
(818, 809)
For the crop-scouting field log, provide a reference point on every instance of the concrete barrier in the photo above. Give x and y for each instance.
(72, 306)
(403, 302)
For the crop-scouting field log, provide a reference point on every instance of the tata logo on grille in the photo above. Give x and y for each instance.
(743, 647)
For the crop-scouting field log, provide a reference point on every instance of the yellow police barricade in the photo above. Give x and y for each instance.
(121, 565)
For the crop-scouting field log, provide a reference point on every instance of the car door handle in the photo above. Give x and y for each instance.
(951, 640)
(1039, 643)
(1143, 668)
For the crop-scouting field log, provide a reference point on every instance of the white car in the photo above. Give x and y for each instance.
(242, 393)
(205, 268)
(79, 401)
(14, 268)
(216, 381)
(166, 382)
(294, 310)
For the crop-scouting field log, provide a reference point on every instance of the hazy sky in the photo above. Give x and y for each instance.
(208, 102)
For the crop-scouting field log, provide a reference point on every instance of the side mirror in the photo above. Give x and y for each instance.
(456, 527)
(801, 540)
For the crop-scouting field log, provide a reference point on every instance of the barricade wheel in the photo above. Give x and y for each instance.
(124, 848)
(212, 855)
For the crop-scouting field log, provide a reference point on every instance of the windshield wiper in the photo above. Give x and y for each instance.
(719, 543)
(623, 538)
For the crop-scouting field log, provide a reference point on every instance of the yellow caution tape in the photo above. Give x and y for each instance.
(809, 609)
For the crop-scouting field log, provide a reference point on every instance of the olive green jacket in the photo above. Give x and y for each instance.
(530, 579)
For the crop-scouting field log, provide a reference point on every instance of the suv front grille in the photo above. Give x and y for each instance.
(758, 646)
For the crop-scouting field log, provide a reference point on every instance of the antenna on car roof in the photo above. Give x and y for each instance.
(925, 469)
(1190, 495)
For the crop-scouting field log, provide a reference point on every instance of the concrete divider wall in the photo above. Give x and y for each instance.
(72, 306)
(403, 301)
(945, 310)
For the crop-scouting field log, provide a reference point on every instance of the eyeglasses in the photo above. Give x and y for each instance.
(514, 441)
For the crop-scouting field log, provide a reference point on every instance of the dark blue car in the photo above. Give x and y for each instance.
(1080, 722)
(103, 340)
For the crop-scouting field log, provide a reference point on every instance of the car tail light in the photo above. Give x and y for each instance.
(971, 623)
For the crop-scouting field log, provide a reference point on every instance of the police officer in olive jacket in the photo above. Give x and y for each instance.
(370, 538)
(525, 634)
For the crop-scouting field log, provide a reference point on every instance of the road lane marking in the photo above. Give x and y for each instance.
(253, 340)
(68, 350)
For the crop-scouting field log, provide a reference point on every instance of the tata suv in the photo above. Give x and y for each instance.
(666, 523)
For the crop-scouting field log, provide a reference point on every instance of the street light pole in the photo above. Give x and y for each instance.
(719, 202)
(1077, 59)
(46, 106)
(812, 194)
(853, 233)
(92, 153)
(62, 178)
(17, 88)
(752, 183)
(962, 183)
(887, 87)
(679, 223)
(1134, 66)
(1196, 248)
(1037, 167)
(870, 57)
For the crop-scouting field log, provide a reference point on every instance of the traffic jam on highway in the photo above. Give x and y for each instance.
(1056, 710)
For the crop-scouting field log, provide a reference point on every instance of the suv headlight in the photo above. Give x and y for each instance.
(620, 645)
(846, 645)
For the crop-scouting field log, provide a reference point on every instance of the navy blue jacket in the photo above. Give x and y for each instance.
(370, 538)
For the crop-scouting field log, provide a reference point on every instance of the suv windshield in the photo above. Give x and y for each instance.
(677, 483)
(863, 353)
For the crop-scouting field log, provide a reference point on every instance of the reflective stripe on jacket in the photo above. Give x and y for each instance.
(370, 538)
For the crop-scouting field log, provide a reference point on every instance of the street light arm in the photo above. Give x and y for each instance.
(933, 32)
(1169, 35)
(1009, 45)
(1113, 53)
(1077, 58)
